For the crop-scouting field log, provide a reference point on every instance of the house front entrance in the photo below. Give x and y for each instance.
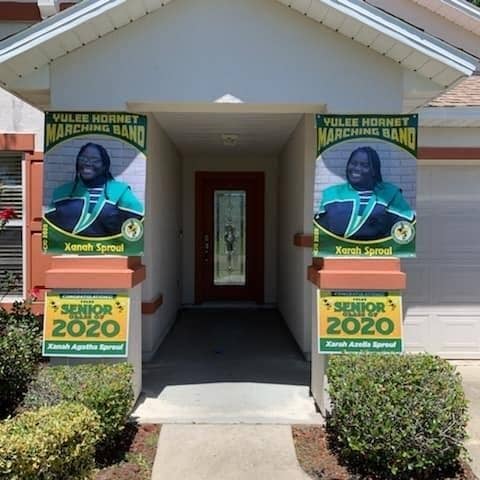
(229, 238)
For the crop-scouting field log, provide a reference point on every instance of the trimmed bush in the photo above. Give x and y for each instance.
(105, 388)
(20, 353)
(52, 443)
(395, 416)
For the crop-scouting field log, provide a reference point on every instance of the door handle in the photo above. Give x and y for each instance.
(206, 248)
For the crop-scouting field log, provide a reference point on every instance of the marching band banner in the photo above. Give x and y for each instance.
(365, 186)
(94, 183)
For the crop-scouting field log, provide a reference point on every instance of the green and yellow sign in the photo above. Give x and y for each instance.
(354, 322)
(401, 130)
(86, 325)
(365, 186)
(61, 126)
(94, 183)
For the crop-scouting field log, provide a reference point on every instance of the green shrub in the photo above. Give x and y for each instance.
(20, 315)
(20, 353)
(104, 388)
(397, 416)
(52, 443)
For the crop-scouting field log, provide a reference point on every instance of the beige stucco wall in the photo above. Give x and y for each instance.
(295, 197)
(162, 244)
(259, 51)
(449, 136)
(20, 117)
(251, 163)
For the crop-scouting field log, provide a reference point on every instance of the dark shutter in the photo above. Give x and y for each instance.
(11, 195)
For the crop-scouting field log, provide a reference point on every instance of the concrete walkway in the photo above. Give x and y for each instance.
(230, 367)
(470, 372)
(251, 452)
(226, 452)
(227, 385)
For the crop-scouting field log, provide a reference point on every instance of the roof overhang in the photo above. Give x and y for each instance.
(407, 45)
(38, 46)
(457, 11)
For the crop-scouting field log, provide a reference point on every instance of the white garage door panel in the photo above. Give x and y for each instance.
(418, 280)
(460, 334)
(416, 332)
(455, 233)
(455, 284)
(450, 182)
(448, 332)
(442, 300)
(424, 236)
(442, 284)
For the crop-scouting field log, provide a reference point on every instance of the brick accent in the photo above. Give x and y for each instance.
(24, 11)
(148, 308)
(17, 142)
(449, 153)
(94, 272)
(303, 240)
(357, 274)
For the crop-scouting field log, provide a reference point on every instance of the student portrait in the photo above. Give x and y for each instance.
(93, 203)
(365, 207)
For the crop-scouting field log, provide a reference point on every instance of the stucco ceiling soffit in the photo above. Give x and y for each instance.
(460, 12)
(203, 133)
(34, 88)
(418, 90)
(38, 98)
(69, 30)
(38, 80)
(390, 36)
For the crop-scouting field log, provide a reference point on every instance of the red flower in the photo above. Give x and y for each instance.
(34, 293)
(7, 214)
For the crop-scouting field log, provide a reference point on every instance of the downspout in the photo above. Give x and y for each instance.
(48, 8)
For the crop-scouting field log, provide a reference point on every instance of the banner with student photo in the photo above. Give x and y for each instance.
(94, 183)
(365, 186)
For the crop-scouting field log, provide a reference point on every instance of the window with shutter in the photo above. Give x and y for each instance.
(11, 196)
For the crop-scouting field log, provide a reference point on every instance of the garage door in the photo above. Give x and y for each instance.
(443, 294)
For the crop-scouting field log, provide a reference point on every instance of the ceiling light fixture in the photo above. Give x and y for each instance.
(229, 139)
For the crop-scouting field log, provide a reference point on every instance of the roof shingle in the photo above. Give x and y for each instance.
(464, 94)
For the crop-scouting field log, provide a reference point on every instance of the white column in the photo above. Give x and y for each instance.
(319, 363)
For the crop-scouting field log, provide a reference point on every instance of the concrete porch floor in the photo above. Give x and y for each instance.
(227, 366)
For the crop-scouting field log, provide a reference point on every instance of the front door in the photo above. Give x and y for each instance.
(229, 237)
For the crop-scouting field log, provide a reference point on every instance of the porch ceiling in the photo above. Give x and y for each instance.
(201, 133)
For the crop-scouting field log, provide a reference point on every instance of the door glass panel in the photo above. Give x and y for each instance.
(229, 237)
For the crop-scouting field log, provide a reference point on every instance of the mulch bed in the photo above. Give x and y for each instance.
(320, 463)
(133, 455)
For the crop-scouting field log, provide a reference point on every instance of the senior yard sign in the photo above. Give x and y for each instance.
(352, 322)
(86, 325)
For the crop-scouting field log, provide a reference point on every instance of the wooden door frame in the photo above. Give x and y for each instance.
(257, 247)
